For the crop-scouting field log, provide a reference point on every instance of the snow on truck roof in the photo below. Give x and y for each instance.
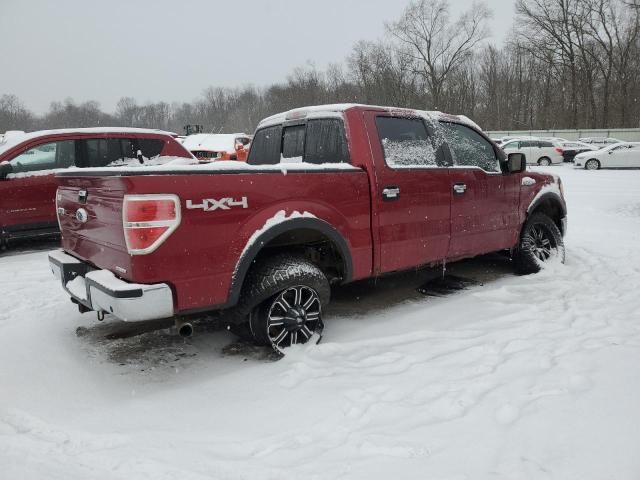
(10, 141)
(212, 142)
(337, 110)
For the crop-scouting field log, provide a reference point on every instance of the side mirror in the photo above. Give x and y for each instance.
(516, 162)
(5, 169)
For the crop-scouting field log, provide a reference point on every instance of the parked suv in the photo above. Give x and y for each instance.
(329, 194)
(28, 162)
(538, 152)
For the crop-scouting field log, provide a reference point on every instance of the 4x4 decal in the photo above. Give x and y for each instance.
(210, 204)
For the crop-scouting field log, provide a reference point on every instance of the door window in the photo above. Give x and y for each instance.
(406, 142)
(469, 148)
(41, 157)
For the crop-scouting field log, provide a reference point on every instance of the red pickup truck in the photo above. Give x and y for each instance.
(329, 194)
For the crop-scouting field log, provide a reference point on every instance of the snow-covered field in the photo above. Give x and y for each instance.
(522, 378)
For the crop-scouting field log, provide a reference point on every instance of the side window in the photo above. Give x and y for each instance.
(527, 144)
(545, 144)
(150, 147)
(326, 142)
(100, 152)
(469, 148)
(405, 142)
(511, 146)
(66, 154)
(42, 157)
(293, 143)
(128, 147)
(265, 149)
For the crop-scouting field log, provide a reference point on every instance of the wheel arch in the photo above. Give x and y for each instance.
(293, 233)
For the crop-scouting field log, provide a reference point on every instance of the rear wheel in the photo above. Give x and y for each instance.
(289, 294)
(592, 164)
(540, 242)
(291, 317)
(544, 162)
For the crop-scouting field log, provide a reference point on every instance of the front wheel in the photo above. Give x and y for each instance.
(540, 242)
(296, 291)
(592, 164)
(544, 162)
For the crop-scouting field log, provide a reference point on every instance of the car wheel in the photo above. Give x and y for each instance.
(540, 242)
(592, 164)
(291, 293)
(544, 162)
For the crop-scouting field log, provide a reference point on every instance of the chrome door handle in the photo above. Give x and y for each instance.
(391, 193)
(459, 188)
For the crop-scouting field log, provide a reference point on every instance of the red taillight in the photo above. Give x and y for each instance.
(148, 220)
(150, 210)
(559, 150)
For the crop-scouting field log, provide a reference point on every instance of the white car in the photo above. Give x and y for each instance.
(620, 155)
(600, 141)
(537, 152)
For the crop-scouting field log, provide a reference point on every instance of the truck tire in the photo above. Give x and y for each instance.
(285, 295)
(540, 241)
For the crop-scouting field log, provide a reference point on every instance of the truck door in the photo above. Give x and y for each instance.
(411, 204)
(28, 192)
(484, 202)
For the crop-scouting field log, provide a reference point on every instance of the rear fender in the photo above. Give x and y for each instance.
(269, 224)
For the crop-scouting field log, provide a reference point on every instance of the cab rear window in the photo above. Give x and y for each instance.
(316, 141)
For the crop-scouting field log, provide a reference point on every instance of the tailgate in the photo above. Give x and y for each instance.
(90, 215)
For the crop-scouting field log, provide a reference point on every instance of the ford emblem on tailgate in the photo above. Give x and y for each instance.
(81, 215)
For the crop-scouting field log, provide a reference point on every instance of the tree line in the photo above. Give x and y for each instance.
(565, 64)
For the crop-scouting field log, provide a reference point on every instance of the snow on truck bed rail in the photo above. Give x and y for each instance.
(186, 165)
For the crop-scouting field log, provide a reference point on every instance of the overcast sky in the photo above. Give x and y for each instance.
(171, 50)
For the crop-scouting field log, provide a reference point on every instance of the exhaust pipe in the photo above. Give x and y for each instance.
(184, 328)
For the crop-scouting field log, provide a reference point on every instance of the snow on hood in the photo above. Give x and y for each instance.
(211, 142)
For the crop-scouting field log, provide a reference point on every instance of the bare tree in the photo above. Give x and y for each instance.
(435, 44)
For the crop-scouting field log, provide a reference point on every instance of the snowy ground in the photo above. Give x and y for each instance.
(522, 378)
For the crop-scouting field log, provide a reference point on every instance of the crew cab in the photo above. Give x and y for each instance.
(29, 161)
(328, 195)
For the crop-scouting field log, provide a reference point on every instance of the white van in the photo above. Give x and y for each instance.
(537, 152)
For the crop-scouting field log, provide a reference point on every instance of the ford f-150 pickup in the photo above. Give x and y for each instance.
(329, 194)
